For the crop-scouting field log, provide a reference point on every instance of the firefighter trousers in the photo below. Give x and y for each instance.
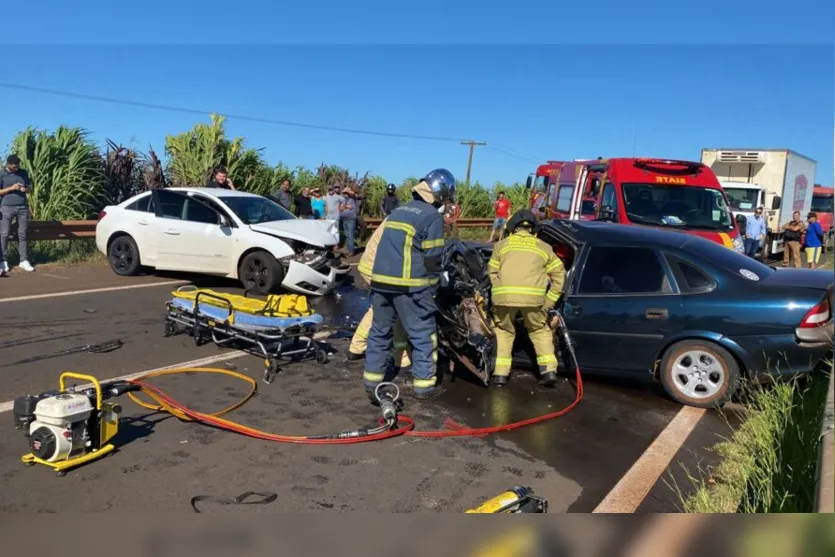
(359, 342)
(535, 320)
(416, 312)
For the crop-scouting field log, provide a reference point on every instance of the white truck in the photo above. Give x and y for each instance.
(781, 181)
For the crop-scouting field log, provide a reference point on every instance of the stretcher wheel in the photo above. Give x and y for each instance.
(322, 356)
(61, 473)
(170, 328)
(271, 370)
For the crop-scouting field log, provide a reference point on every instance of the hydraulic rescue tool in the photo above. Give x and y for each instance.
(67, 428)
(515, 500)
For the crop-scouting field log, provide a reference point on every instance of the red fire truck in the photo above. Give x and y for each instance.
(822, 204)
(680, 195)
(553, 188)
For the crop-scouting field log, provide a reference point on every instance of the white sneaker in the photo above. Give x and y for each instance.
(26, 266)
(5, 266)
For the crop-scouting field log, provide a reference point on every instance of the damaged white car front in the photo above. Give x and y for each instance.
(311, 266)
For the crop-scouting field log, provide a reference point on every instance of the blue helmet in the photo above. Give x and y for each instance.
(442, 183)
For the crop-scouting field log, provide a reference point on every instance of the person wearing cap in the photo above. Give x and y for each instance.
(15, 187)
(348, 218)
(813, 241)
(404, 280)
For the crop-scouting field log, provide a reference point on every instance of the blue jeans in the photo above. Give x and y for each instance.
(416, 311)
(349, 227)
(751, 246)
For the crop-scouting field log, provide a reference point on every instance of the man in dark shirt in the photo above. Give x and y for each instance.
(283, 195)
(304, 210)
(15, 187)
(221, 180)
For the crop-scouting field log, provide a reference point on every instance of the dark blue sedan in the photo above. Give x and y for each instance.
(692, 314)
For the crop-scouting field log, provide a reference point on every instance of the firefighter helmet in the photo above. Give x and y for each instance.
(442, 183)
(523, 216)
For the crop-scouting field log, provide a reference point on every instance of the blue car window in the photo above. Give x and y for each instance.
(623, 270)
(690, 279)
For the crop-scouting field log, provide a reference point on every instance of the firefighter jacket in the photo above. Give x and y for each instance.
(408, 257)
(366, 265)
(525, 272)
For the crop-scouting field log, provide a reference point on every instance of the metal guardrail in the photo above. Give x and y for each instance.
(462, 223)
(825, 496)
(58, 230)
(80, 229)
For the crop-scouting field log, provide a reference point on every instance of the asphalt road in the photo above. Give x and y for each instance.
(573, 461)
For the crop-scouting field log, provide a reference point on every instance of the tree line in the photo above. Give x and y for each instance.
(74, 178)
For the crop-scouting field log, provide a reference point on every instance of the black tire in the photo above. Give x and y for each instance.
(712, 370)
(170, 328)
(260, 272)
(123, 256)
(322, 356)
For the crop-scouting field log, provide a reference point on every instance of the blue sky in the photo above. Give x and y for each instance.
(530, 102)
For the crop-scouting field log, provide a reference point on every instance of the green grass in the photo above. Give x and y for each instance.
(58, 252)
(770, 463)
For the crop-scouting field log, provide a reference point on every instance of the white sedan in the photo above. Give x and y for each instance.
(224, 233)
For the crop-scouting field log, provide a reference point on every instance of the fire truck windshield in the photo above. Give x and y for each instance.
(742, 199)
(677, 206)
(541, 183)
(822, 203)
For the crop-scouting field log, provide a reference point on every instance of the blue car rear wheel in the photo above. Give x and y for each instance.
(699, 373)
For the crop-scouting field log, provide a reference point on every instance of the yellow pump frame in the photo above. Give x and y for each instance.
(107, 430)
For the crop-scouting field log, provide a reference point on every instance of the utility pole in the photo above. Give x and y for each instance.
(472, 145)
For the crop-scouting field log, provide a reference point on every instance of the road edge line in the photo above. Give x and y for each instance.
(90, 291)
(633, 487)
(201, 362)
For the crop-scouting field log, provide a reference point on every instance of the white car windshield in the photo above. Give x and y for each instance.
(255, 210)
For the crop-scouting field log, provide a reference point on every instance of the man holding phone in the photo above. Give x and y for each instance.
(15, 187)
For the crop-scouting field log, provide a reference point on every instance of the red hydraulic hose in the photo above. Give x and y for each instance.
(481, 431)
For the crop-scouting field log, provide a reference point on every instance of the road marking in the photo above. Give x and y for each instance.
(202, 362)
(91, 291)
(634, 486)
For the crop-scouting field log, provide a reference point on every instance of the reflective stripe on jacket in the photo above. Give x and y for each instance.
(410, 249)
(366, 265)
(525, 272)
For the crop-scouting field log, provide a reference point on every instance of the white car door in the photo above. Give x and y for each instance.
(192, 237)
(137, 219)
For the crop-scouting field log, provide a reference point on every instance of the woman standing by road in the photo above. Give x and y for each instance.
(317, 204)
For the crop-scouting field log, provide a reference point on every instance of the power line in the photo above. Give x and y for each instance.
(229, 116)
(515, 154)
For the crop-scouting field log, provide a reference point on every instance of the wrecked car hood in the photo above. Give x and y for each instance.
(320, 233)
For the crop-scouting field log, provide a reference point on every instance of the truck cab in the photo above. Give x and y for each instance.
(822, 203)
(674, 194)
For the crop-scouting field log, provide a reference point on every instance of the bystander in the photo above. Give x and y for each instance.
(15, 187)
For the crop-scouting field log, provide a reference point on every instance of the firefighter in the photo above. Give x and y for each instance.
(527, 278)
(359, 341)
(404, 279)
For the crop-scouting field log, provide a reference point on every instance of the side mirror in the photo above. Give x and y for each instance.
(224, 222)
(776, 202)
(528, 183)
(606, 213)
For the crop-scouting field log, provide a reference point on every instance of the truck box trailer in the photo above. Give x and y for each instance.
(780, 181)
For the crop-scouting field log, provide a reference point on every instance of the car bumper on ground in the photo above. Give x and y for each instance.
(304, 279)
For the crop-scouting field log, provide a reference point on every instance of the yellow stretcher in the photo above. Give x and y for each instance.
(265, 327)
